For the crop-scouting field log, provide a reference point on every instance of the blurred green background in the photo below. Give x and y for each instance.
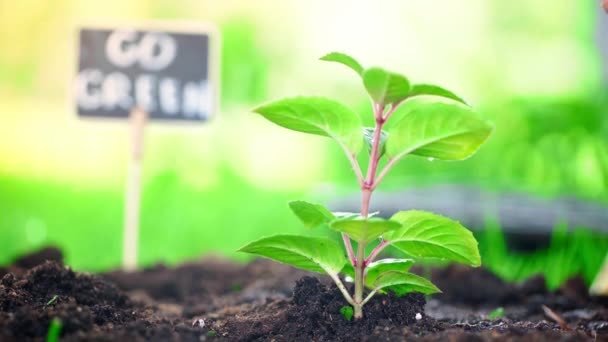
(533, 67)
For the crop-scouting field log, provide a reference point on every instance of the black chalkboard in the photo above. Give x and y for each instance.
(167, 74)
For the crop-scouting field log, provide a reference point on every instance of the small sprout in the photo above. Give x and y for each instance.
(435, 124)
(236, 287)
(52, 301)
(198, 322)
(54, 330)
(418, 316)
(211, 333)
(497, 313)
(347, 312)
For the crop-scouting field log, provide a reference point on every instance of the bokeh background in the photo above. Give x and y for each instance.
(535, 68)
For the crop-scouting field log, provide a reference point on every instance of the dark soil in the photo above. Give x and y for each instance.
(479, 287)
(214, 299)
(313, 314)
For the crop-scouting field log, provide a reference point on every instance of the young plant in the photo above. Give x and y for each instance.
(433, 123)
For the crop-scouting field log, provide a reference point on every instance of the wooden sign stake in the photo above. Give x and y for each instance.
(133, 189)
(174, 65)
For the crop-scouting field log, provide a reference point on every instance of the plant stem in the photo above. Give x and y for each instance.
(355, 165)
(374, 182)
(360, 265)
(357, 169)
(374, 157)
(366, 194)
(359, 281)
(391, 111)
(383, 173)
(342, 288)
(349, 249)
(369, 296)
(375, 252)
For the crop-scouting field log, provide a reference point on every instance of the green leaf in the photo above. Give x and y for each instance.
(317, 115)
(429, 235)
(373, 270)
(345, 59)
(385, 265)
(384, 86)
(312, 215)
(430, 89)
(364, 231)
(446, 131)
(403, 282)
(368, 136)
(347, 312)
(54, 330)
(308, 253)
(348, 270)
(497, 313)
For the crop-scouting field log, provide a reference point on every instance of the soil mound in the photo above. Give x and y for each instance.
(82, 302)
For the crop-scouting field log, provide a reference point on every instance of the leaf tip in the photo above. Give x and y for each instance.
(344, 59)
(258, 109)
(327, 57)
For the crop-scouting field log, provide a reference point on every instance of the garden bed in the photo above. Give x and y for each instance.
(214, 299)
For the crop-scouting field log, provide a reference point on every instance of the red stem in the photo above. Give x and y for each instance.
(375, 155)
(391, 111)
(375, 252)
(349, 249)
(366, 194)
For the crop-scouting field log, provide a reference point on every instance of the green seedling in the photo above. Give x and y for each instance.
(497, 313)
(54, 330)
(432, 122)
(347, 312)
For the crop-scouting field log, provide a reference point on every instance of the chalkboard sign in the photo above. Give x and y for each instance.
(167, 74)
